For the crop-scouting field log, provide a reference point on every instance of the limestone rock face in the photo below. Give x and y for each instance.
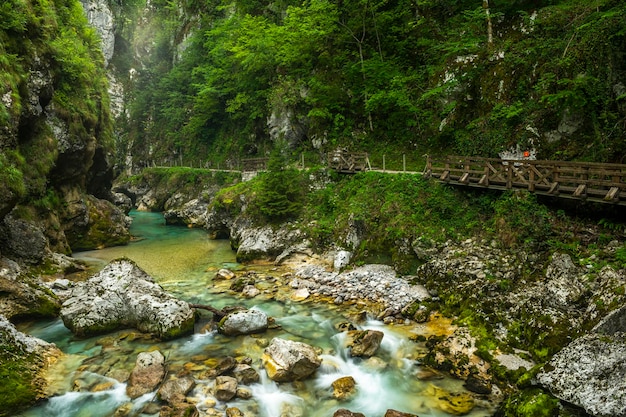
(190, 213)
(100, 17)
(147, 375)
(286, 360)
(123, 295)
(265, 242)
(24, 239)
(244, 322)
(92, 223)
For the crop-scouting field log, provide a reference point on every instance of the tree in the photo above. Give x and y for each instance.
(281, 193)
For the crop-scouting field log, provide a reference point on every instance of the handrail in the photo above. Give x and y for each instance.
(592, 181)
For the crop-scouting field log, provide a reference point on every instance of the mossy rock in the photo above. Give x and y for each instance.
(531, 402)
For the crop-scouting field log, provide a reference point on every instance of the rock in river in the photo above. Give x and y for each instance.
(147, 375)
(244, 322)
(123, 295)
(286, 360)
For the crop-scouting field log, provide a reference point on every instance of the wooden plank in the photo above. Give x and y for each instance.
(580, 190)
(612, 195)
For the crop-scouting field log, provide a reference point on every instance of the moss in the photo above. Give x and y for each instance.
(183, 330)
(17, 372)
(531, 402)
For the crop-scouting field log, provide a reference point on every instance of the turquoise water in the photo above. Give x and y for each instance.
(86, 381)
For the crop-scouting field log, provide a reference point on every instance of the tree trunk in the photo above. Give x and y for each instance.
(489, 26)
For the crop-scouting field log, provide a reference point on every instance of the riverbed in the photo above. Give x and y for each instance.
(89, 380)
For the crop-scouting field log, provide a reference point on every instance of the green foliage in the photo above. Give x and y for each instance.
(620, 256)
(11, 176)
(280, 196)
(389, 212)
(520, 221)
(403, 75)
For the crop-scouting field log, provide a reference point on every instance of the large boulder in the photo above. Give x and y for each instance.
(286, 360)
(123, 295)
(590, 372)
(24, 361)
(266, 242)
(244, 322)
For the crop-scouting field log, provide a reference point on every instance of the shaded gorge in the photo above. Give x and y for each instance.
(90, 379)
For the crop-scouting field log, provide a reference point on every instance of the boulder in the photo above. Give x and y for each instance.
(174, 391)
(123, 295)
(286, 360)
(245, 374)
(21, 296)
(31, 357)
(244, 322)
(342, 412)
(191, 213)
(250, 291)
(234, 412)
(591, 373)
(225, 388)
(395, 413)
(225, 365)
(364, 343)
(224, 274)
(342, 259)
(344, 387)
(147, 375)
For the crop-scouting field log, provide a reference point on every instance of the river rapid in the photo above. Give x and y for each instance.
(86, 381)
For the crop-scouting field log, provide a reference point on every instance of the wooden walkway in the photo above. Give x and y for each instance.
(348, 162)
(597, 182)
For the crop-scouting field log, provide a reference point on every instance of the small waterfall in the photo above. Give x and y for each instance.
(88, 404)
(273, 399)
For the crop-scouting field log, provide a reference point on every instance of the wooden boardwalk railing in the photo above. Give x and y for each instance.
(254, 164)
(348, 162)
(598, 182)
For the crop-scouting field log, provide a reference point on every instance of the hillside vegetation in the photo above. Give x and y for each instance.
(230, 79)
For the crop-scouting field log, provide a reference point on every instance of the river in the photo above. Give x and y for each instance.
(86, 382)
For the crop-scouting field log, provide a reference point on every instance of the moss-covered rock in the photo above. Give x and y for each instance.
(23, 362)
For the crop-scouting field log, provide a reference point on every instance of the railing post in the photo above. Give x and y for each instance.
(383, 163)
(509, 175)
(404, 162)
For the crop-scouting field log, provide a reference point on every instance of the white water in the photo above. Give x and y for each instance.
(381, 384)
